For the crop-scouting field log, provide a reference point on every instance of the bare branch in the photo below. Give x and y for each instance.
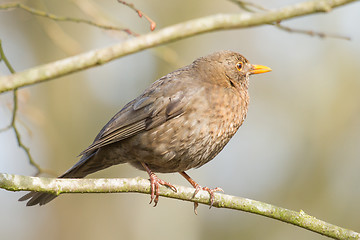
(310, 32)
(4, 58)
(165, 35)
(93, 10)
(247, 7)
(59, 18)
(14, 113)
(58, 186)
(140, 13)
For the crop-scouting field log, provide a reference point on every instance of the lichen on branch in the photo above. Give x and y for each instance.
(138, 185)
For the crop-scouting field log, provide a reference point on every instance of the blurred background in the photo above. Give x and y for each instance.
(299, 147)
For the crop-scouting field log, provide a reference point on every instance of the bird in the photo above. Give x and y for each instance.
(180, 122)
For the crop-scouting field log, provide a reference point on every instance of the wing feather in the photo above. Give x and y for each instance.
(151, 109)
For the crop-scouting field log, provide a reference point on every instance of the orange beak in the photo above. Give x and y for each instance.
(259, 69)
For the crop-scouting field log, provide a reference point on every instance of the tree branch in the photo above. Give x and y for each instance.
(140, 13)
(165, 35)
(14, 113)
(247, 7)
(60, 18)
(58, 186)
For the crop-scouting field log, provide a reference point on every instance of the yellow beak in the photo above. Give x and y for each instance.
(259, 69)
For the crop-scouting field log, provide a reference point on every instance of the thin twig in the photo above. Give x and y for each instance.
(140, 13)
(93, 10)
(60, 18)
(5, 128)
(58, 186)
(6, 61)
(14, 113)
(62, 39)
(247, 7)
(310, 32)
(165, 35)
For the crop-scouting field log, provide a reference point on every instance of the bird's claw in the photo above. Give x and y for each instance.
(210, 191)
(154, 187)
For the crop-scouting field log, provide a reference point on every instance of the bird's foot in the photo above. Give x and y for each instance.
(155, 183)
(211, 191)
(198, 188)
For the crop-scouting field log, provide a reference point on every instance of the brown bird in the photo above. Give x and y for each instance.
(182, 121)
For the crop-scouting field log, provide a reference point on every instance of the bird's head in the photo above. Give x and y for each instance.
(229, 68)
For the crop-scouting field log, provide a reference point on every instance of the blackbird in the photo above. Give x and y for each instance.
(182, 121)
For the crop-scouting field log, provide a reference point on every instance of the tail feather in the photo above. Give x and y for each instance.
(86, 165)
(37, 198)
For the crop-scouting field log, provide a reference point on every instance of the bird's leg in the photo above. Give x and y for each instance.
(198, 187)
(154, 184)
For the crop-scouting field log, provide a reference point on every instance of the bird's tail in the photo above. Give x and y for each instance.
(86, 165)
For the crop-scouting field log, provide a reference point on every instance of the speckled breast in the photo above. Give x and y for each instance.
(193, 138)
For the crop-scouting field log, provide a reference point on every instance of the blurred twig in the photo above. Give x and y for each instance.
(165, 35)
(93, 10)
(58, 186)
(60, 18)
(14, 112)
(310, 32)
(247, 6)
(140, 13)
(4, 58)
(58, 36)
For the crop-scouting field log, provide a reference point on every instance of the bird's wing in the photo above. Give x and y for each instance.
(156, 105)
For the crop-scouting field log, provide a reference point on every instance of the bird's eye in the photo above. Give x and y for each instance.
(239, 66)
